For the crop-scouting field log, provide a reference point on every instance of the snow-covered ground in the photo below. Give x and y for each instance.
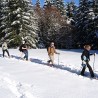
(25, 79)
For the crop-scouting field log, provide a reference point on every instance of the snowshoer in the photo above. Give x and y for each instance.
(51, 52)
(24, 49)
(85, 60)
(5, 49)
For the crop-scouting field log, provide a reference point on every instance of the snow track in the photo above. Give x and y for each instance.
(34, 79)
(20, 90)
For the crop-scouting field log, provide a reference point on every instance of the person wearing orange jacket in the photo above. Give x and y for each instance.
(51, 52)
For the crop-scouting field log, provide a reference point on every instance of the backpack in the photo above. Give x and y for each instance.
(20, 49)
(47, 46)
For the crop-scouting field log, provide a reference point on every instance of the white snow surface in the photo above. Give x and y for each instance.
(34, 79)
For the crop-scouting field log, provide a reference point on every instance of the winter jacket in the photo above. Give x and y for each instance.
(4, 46)
(24, 46)
(85, 55)
(51, 50)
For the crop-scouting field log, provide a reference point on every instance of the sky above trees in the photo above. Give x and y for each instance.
(42, 1)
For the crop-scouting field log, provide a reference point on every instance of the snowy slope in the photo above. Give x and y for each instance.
(25, 79)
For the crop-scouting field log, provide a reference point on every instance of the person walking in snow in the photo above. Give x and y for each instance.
(51, 52)
(85, 60)
(24, 49)
(5, 49)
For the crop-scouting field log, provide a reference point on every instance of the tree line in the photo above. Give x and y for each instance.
(67, 24)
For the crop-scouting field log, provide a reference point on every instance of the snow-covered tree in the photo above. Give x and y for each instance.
(28, 23)
(71, 9)
(38, 3)
(18, 22)
(38, 8)
(53, 26)
(47, 2)
(60, 6)
(85, 22)
(95, 6)
(0, 18)
(4, 19)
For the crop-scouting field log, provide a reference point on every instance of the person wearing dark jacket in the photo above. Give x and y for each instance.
(85, 60)
(24, 50)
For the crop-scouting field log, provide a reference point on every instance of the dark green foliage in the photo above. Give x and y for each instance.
(17, 21)
(67, 25)
(71, 9)
(60, 6)
(16, 40)
(85, 24)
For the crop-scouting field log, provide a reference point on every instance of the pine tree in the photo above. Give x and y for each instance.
(29, 23)
(38, 3)
(95, 6)
(47, 3)
(84, 23)
(38, 8)
(0, 15)
(71, 9)
(95, 22)
(4, 19)
(49, 23)
(20, 22)
(60, 6)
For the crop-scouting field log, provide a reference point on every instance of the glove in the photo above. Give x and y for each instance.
(84, 58)
(94, 54)
(83, 64)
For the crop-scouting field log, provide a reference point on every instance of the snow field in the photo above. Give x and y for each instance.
(25, 79)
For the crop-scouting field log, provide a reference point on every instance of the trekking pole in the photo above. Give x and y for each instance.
(94, 62)
(58, 59)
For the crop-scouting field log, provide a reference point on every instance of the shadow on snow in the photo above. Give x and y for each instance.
(62, 67)
(77, 50)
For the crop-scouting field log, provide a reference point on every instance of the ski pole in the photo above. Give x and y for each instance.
(58, 59)
(94, 62)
